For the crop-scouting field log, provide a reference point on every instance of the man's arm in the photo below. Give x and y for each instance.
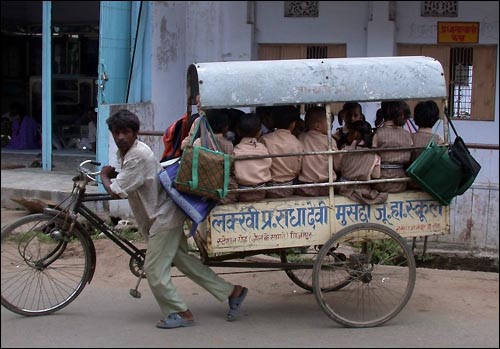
(107, 173)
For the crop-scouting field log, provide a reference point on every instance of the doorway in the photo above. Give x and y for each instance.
(75, 50)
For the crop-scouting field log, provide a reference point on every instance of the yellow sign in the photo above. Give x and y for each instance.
(298, 221)
(458, 32)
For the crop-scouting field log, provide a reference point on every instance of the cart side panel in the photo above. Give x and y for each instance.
(300, 221)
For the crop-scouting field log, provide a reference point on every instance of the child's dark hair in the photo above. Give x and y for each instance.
(406, 111)
(218, 119)
(379, 118)
(123, 119)
(284, 116)
(426, 114)
(360, 130)
(349, 108)
(261, 110)
(234, 116)
(249, 125)
(341, 116)
(313, 115)
(396, 112)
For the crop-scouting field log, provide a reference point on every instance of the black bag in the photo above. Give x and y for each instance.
(470, 167)
(437, 173)
(445, 172)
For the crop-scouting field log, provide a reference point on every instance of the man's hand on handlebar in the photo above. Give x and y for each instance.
(108, 171)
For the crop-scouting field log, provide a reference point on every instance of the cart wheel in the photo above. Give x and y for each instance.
(381, 271)
(304, 277)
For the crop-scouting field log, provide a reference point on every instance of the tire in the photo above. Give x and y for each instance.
(381, 270)
(301, 277)
(43, 268)
(304, 277)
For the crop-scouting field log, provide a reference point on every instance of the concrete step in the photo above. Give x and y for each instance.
(34, 183)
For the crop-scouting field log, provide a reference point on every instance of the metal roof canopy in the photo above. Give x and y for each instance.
(304, 81)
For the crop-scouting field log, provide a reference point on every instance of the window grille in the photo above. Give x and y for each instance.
(439, 9)
(301, 9)
(461, 82)
(317, 52)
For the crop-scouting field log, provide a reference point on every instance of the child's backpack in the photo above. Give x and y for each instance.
(173, 136)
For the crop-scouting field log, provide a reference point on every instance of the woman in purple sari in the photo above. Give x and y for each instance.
(25, 134)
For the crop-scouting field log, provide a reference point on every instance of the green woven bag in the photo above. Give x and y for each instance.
(204, 171)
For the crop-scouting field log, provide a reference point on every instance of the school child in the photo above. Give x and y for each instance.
(425, 115)
(218, 120)
(234, 118)
(315, 167)
(360, 166)
(284, 170)
(300, 127)
(340, 135)
(392, 135)
(266, 118)
(253, 173)
(351, 112)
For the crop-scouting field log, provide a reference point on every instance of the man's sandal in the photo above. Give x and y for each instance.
(234, 305)
(174, 320)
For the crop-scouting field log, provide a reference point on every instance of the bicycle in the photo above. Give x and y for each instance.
(48, 258)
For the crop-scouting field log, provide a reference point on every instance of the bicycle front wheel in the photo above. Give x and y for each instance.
(44, 267)
(381, 275)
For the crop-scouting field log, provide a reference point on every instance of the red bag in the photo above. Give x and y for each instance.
(173, 136)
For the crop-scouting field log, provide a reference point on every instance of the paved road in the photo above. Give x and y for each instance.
(447, 309)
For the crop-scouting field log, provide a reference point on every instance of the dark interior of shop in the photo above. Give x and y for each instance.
(75, 47)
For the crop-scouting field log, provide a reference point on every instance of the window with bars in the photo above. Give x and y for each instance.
(460, 94)
(317, 52)
(476, 94)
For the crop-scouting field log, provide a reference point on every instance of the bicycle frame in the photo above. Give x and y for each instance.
(79, 208)
(98, 223)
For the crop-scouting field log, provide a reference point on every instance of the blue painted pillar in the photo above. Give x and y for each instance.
(113, 70)
(142, 23)
(47, 87)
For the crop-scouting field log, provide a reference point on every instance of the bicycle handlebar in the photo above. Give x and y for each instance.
(91, 175)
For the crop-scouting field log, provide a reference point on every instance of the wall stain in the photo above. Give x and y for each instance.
(167, 51)
(465, 235)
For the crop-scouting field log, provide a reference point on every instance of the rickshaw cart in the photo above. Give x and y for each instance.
(353, 256)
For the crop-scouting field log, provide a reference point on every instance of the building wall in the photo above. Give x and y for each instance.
(186, 32)
(168, 68)
(414, 29)
(339, 22)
